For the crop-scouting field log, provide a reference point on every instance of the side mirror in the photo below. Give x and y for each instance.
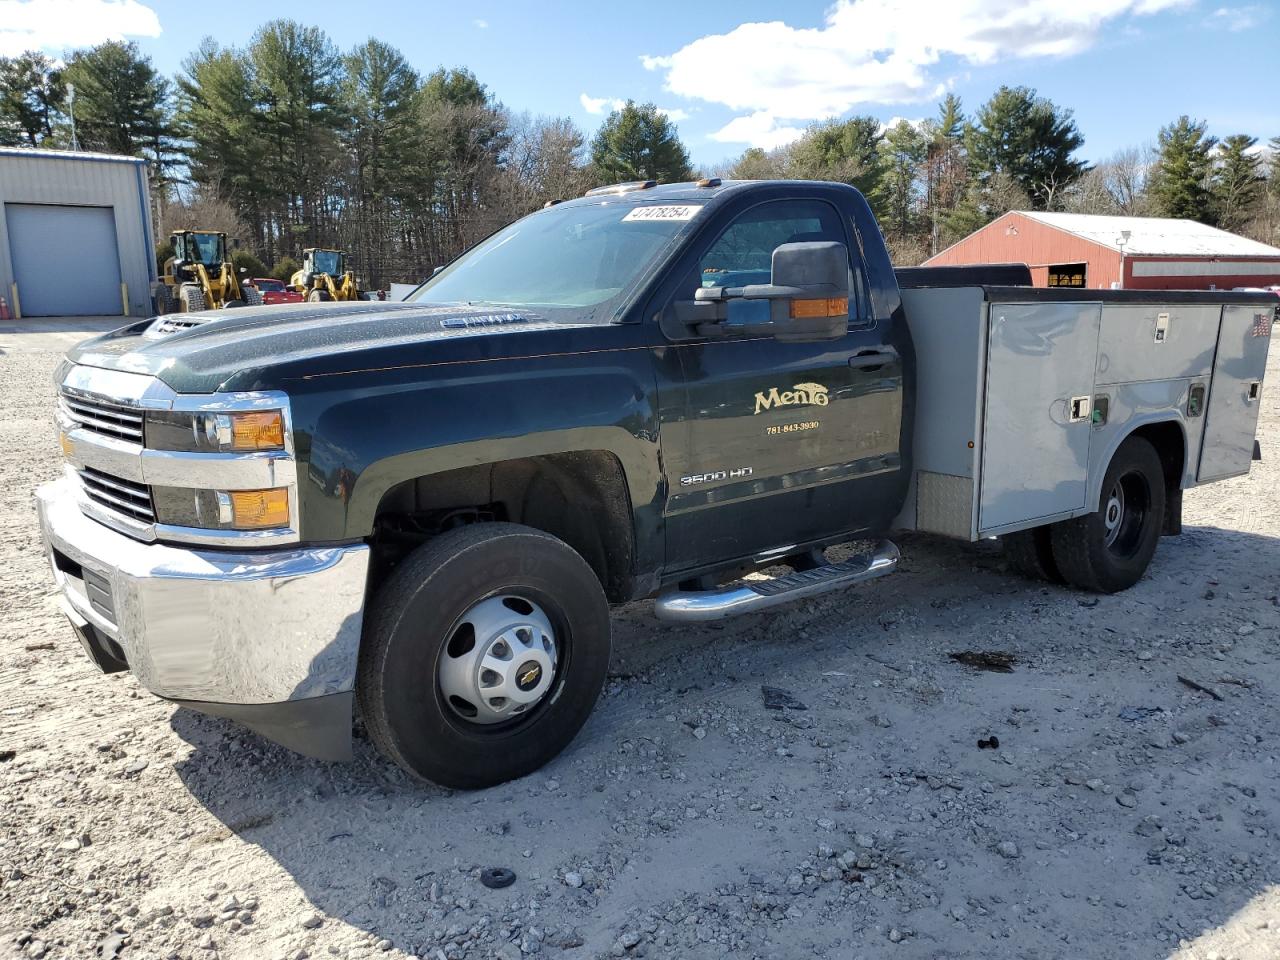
(436, 270)
(807, 298)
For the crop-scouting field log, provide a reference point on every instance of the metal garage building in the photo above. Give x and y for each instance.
(1136, 253)
(75, 234)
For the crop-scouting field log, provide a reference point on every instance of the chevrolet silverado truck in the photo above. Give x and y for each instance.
(421, 511)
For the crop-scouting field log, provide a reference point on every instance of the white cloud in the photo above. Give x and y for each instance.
(54, 25)
(600, 104)
(1237, 19)
(674, 114)
(872, 51)
(760, 129)
(481, 24)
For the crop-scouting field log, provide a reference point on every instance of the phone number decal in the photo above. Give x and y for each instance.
(800, 427)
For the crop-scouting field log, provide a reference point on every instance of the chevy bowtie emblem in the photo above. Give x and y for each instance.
(529, 676)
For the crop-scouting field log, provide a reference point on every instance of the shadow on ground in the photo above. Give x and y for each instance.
(1142, 811)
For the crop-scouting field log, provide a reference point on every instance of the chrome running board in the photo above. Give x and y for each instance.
(694, 606)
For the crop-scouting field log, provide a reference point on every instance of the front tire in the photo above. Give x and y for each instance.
(318, 296)
(483, 655)
(1109, 550)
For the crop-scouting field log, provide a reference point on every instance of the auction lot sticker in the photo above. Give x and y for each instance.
(663, 211)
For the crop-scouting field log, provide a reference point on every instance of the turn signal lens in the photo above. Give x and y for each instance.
(256, 509)
(257, 431)
(824, 307)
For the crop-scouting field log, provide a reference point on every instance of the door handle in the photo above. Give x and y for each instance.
(873, 360)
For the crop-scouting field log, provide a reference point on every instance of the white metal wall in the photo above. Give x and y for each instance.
(83, 179)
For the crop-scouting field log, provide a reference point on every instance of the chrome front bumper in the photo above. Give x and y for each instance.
(239, 634)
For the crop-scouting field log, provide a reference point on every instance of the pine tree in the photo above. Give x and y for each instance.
(946, 166)
(1029, 139)
(1180, 179)
(639, 143)
(847, 151)
(32, 95)
(904, 151)
(121, 104)
(1237, 182)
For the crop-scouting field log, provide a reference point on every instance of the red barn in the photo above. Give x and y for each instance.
(1150, 253)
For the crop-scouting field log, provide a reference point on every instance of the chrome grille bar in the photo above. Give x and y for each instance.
(100, 416)
(123, 496)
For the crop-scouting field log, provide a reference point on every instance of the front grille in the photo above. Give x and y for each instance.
(104, 417)
(125, 497)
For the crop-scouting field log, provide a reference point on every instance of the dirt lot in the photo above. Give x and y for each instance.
(1123, 814)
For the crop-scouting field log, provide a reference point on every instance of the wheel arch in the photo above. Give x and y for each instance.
(579, 496)
(1168, 435)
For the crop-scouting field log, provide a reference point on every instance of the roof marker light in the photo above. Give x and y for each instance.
(629, 187)
(709, 182)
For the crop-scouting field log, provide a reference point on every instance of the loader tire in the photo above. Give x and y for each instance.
(1109, 550)
(252, 295)
(162, 302)
(318, 296)
(192, 298)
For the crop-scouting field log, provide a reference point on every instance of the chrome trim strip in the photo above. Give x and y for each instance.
(217, 625)
(696, 606)
(218, 471)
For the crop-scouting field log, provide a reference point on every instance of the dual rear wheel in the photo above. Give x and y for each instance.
(1108, 550)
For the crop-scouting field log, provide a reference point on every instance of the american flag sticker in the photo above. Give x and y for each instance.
(1262, 324)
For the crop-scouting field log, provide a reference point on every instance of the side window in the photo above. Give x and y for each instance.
(743, 253)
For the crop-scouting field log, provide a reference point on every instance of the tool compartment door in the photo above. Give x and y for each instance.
(1235, 392)
(1035, 455)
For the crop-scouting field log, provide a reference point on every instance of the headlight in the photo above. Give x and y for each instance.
(222, 509)
(242, 432)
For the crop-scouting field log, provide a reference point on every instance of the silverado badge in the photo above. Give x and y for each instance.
(800, 395)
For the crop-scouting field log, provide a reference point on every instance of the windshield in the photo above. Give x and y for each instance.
(275, 286)
(207, 248)
(572, 263)
(327, 261)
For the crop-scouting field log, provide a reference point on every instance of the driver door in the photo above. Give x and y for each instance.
(771, 443)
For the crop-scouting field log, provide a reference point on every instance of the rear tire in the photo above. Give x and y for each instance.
(1109, 550)
(457, 606)
(1030, 553)
(252, 295)
(163, 300)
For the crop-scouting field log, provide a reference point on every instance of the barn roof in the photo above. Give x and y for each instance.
(1154, 236)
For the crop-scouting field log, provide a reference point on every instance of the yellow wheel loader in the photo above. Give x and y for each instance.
(200, 276)
(325, 275)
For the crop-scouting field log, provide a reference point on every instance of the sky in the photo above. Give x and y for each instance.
(748, 73)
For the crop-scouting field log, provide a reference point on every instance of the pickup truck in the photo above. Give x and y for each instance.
(423, 510)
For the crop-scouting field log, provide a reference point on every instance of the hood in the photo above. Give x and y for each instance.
(234, 349)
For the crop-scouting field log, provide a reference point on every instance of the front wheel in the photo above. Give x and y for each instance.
(483, 655)
(318, 296)
(1110, 550)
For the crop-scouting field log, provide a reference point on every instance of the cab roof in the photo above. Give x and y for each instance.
(714, 189)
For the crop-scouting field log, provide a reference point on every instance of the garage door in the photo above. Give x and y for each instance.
(65, 260)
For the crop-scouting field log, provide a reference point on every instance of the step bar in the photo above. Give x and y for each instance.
(700, 606)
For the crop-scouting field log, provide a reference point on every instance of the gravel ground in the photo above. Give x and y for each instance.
(1122, 814)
